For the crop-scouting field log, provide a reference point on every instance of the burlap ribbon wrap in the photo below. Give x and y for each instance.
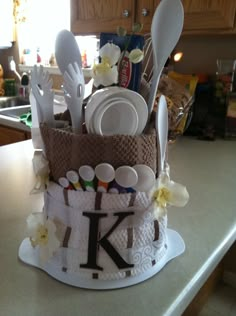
(68, 151)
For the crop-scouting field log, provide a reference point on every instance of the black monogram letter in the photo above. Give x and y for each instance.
(104, 242)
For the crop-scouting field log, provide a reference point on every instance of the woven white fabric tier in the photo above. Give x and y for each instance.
(125, 222)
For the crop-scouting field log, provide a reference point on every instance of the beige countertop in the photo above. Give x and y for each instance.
(207, 225)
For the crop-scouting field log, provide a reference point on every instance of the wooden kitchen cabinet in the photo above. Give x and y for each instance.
(96, 16)
(144, 13)
(215, 16)
(200, 16)
(10, 135)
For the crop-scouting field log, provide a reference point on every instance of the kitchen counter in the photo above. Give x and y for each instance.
(207, 224)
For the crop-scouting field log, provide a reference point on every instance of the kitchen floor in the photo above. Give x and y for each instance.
(222, 302)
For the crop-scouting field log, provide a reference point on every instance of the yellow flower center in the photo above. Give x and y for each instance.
(41, 236)
(106, 60)
(103, 67)
(162, 196)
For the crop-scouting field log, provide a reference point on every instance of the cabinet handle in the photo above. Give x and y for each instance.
(125, 13)
(145, 12)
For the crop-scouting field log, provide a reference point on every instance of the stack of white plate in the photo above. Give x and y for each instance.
(116, 110)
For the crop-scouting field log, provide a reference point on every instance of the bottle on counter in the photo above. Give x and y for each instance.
(10, 87)
(84, 59)
(24, 88)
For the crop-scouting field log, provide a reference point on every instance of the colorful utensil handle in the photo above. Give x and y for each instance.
(102, 186)
(116, 188)
(89, 186)
(73, 178)
(65, 183)
(77, 186)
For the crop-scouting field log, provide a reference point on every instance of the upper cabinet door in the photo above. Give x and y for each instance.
(95, 16)
(200, 16)
(209, 15)
(144, 13)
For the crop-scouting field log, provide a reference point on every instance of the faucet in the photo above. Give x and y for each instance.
(24, 79)
(13, 68)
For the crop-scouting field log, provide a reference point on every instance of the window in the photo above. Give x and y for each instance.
(38, 31)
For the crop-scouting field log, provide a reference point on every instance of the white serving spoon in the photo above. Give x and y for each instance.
(161, 124)
(66, 50)
(166, 28)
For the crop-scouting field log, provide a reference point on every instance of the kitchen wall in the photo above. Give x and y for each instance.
(201, 52)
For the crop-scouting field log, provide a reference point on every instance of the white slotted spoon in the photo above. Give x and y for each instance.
(74, 93)
(41, 85)
(167, 25)
(67, 51)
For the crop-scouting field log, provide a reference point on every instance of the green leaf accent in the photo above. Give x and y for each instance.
(121, 31)
(137, 27)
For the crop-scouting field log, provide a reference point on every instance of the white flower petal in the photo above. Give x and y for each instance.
(47, 246)
(111, 51)
(53, 242)
(168, 192)
(44, 254)
(136, 56)
(40, 164)
(159, 212)
(163, 179)
(50, 226)
(33, 220)
(47, 251)
(106, 79)
(179, 194)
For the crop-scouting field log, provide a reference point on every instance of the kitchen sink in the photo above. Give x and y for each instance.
(15, 112)
(9, 102)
